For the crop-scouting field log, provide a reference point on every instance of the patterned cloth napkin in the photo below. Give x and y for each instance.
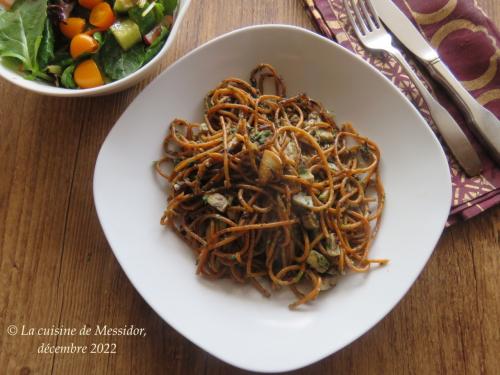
(468, 42)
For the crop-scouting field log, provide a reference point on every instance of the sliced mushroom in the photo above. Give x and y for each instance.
(303, 200)
(306, 174)
(203, 128)
(270, 166)
(324, 136)
(333, 167)
(291, 151)
(318, 261)
(217, 201)
(331, 246)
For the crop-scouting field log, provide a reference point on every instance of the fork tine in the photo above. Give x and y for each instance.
(348, 11)
(359, 18)
(374, 13)
(358, 25)
(367, 15)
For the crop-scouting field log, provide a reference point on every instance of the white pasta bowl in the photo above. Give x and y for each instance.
(235, 323)
(13, 76)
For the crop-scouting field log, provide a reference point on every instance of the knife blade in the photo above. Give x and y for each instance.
(483, 122)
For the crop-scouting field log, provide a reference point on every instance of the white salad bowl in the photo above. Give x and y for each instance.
(44, 88)
(233, 322)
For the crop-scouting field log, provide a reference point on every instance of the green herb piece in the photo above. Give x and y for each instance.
(145, 21)
(156, 46)
(159, 12)
(117, 63)
(98, 37)
(365, 152)
(21, 31)
(318, 261)
(67, 78)
(169, 5)
(54, 69)
(46, 49)
(260, 136)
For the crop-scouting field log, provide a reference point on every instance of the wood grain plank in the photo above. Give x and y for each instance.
(56, 267)
(42, 151)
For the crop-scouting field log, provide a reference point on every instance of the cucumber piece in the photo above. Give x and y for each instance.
(126, 33)
(122, 6)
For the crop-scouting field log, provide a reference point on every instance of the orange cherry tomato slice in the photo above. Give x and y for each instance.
(72, 26)
(88, 75)
(102, 16)
(82, 43)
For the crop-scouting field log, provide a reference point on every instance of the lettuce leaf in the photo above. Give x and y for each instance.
(117, 63)
(46, 49)
(156, 46)
(67, 78)
(21, 30)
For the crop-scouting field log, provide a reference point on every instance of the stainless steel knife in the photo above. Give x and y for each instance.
(484, 123)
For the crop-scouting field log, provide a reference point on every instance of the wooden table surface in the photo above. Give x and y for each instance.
(56, 267)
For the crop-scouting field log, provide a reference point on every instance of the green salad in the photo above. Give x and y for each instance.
(82, 43)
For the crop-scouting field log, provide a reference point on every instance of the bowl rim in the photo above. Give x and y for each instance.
(121, 84)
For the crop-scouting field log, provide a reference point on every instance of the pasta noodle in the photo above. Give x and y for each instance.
(269, 190)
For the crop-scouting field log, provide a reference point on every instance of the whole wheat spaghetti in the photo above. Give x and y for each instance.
(269, 190)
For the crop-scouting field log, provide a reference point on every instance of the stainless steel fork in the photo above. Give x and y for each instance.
(374, 36)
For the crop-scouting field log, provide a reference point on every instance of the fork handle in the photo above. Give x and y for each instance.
(454, 137)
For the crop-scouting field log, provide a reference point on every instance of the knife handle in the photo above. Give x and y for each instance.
(484, 123)
(452, 134)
